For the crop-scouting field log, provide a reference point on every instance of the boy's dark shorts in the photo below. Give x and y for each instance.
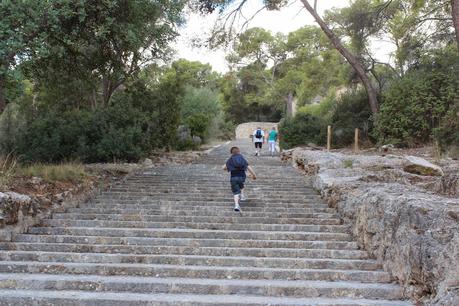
(237, 184)
(258, 145)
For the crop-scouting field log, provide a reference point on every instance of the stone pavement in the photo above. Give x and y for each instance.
(168, 236)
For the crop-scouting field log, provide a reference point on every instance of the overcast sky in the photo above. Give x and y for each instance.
(286, 20)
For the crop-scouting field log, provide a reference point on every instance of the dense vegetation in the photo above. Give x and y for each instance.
(94, 81)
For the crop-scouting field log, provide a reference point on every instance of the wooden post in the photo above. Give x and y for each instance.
(356, 141)
(329, 137)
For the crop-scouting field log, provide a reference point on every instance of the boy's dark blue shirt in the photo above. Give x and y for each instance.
(237, 165)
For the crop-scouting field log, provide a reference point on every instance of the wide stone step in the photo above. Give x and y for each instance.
(205, 197)
(190, 233)
(200, 225)
(225, 208)
(204, 211)
(165, 188)
(198, 219)
(271, 288)
(196, 260)
(76, 298)
(196, 271)
(164, 203)
(223, 243)
(186, 250)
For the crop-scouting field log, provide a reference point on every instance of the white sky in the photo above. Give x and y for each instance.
(288, 19)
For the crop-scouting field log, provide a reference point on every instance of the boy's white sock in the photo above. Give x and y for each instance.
(236, 199)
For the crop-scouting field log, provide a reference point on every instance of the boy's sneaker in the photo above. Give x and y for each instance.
(237, 208)
(242, 198)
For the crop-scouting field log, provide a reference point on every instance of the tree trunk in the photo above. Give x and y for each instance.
(351, 58)
(2, 94)
(290, 113)
(455, 13)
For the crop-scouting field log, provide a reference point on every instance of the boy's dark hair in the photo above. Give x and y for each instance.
(234, 150)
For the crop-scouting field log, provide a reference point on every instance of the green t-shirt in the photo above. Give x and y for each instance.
(272, 136)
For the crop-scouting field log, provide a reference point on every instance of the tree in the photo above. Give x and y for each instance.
(455, 13)
(22, 32)
(351, 58)
(102, 42)
(212, 5)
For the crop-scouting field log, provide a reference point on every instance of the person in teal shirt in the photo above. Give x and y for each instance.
(272, 139)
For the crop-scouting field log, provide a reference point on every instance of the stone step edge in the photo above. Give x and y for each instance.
(9, 246)
(118, 299)
(15, 240)
(184, 267)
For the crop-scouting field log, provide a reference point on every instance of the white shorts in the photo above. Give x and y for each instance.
(272, 146)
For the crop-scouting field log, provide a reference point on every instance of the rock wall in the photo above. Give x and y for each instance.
(244, 130)
(406, 221)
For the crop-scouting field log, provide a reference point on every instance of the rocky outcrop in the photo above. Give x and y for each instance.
(409, 222)
(13, 206)
(421, 166)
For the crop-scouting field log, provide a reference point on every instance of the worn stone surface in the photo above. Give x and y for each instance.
(405, 220)
(13, 205)
(168, 235)
(245, 130)
(417, 165)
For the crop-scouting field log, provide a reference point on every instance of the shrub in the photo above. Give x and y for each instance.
(201, 111)
(137, 121)
(302, 129)
(447, 134)
(352, 111)
(324, 109)
(413, 107)
(199, 125)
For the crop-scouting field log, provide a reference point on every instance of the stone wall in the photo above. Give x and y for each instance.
(244, 130)
(408, 222)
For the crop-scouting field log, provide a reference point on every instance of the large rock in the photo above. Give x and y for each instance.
(12, 205)
(404, 220)
(420, 166)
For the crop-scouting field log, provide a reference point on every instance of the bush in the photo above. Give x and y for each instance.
(302, 129)
(447, 134)
(352, 111)
(137, 121)
(415, 106)
(324, 109)
(201, 111)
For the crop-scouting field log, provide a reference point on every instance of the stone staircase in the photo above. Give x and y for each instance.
(169, 237)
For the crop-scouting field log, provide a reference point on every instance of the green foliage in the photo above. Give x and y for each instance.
(447, 134)
(417, 104)
(348, 163)
(84, 50)
(138, 120)
(302, 129)
(324, 109)
(200, 108)
(352, 111)
(270, 68)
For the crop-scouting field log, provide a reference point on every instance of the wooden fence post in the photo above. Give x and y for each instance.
(329, 137)
(356, 140)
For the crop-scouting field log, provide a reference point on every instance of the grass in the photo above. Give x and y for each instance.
(348, 163)
(66, 172)
(8, 165)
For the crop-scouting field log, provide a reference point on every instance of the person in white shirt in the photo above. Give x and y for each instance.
(258, 140)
